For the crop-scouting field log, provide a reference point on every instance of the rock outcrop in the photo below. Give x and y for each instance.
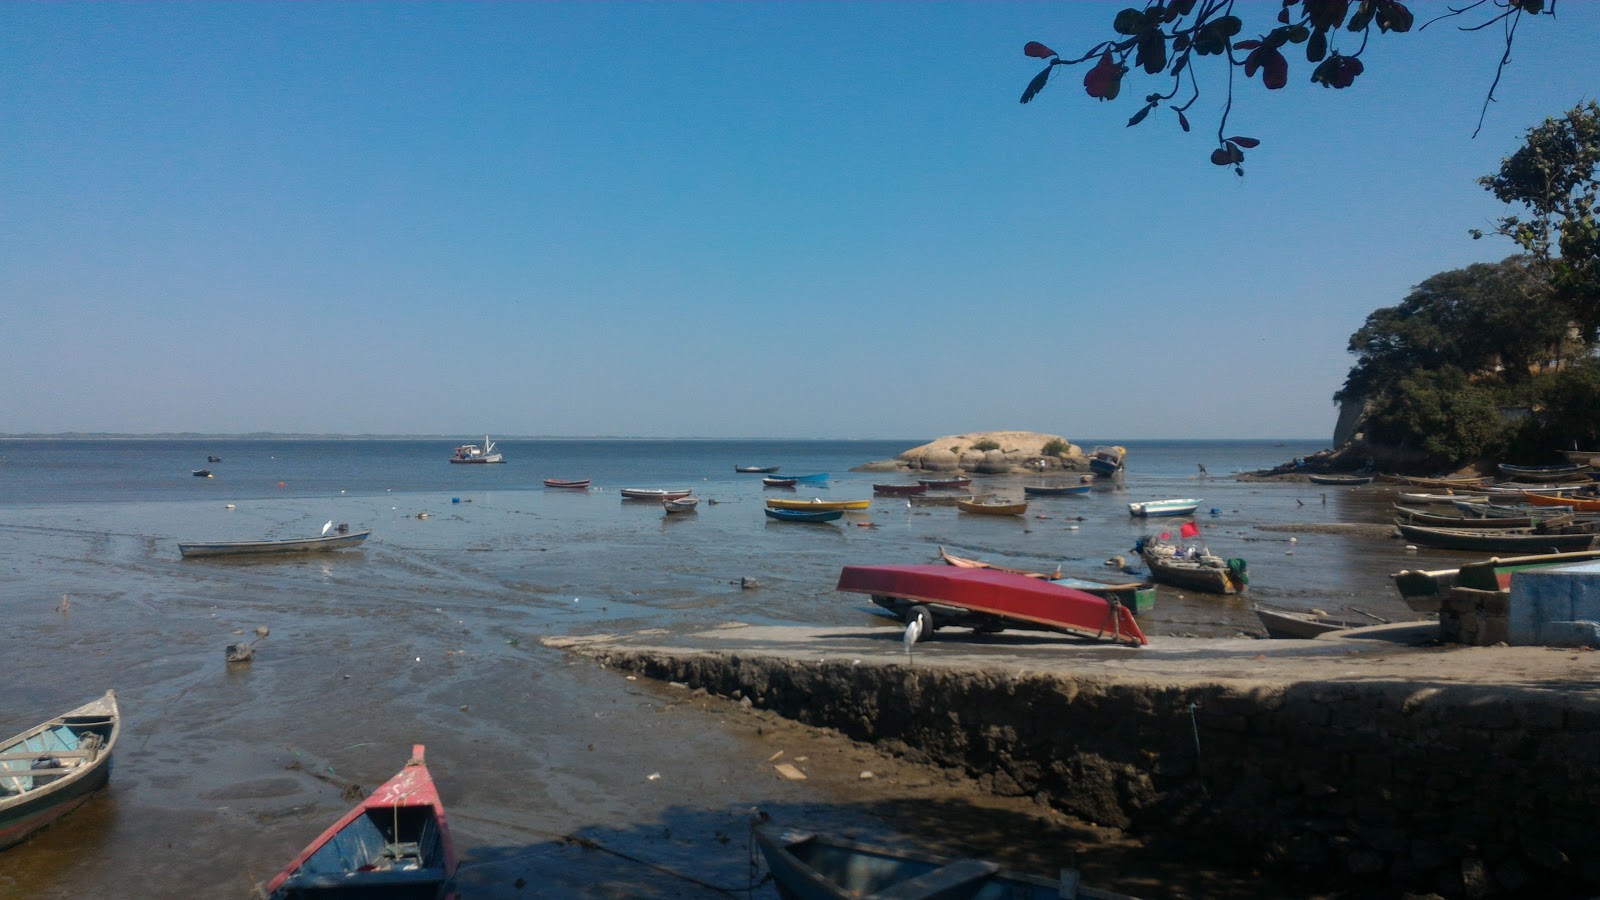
(989, 453)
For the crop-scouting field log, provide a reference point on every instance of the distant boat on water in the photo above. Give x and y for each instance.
(201, 473)
(472, 453)
(756, 470)
(578, 485)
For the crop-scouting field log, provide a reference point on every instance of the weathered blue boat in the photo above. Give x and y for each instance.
(290, 545)
(1107, 460)
(804, 515)
(809, 866)
(1064, 490)
(54, 768)
(817, 478)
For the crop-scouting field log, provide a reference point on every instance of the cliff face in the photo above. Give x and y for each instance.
(1351, 414)
(1006, 451)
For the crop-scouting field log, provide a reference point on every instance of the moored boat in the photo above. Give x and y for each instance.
(771, 481)
(1151, 508)
(1107, 460)
(1466, 520)
(1455, 481)
(817, 503)
(756, 470)
(1351, 480)
(680, 504)
(472, 453)
(808, 866)
(1577, 504)
(1062, 490)
(1192, 567)
(989, 508)
(945, 484)
(1589, 458)
(1423, 589)
(656, 494)
(55, 767)
(1285, 623)
(804, 515)
(814, 478)
(899, 490)
(987, 600)
(577, 485)
(288, 545)
(1493, 540)
(201, 473)
(395, 843)
(1567, 472)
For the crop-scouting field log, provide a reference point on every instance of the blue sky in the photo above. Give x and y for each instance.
(728, 219)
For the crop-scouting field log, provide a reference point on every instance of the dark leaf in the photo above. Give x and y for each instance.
(1128, 21)
(1283, 15)
(1317, 47)
(1153, 51)
(1274, 71)
(1246, 45)
(1177, 67)
(1246, 142)
(1037, 84)
(1220, 157)
(1038, 50)
(1139, 116)
(1183, 120)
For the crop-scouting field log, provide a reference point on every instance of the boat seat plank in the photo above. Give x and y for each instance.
(308, 881)
(35, 754)
(943, 881)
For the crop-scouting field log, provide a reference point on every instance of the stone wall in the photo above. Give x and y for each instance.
(1375, 787)
(1474, 617)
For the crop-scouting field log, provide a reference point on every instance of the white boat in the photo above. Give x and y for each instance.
(472, 453)
(1164, 507)
(679, 504)
(337, 541)
(657, 494)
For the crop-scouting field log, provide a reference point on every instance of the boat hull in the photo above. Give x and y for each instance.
(944, 484)
(1154, 508)
(1184, 573)
(1352, 480)
(1284, 624)
(756, 470)
(813, 505)
(83, 770)
(984, 598)
(656, 494)
(899, 490)
(804, 515)
(1487, 540)
(567, 485)
(993, 509)
(252, 548)
(1064, 491)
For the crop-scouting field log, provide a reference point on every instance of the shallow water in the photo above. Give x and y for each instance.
(428, 634)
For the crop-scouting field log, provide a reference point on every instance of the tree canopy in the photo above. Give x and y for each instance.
(1170, 38)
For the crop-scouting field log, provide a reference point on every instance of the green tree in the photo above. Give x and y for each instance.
(1441, 412)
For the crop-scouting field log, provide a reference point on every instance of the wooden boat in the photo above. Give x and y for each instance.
(1107, 460)
(945, 484)
(472, 453)
(395, 843)
(201, 473)
(987, 600)
(804, 515)
(680, 504)
(288, 545)
(1589, 458)
(962, 562)
(1423, 589)
(1565, 472)
(756, 470)
(1416, 499)
(1340, 479)
(1063, 490)
(1577, 504)
(816, 503)
(940, 499)
(899, 490)
(1284, 623)
(1490, 540)
(807, 866)
(1193, 567)
(1463, 520)
(1151, 508)
(1458, 481)
(992, 509)
(656, 494)
(55, 767)
(579, 485)
(770, 481)
(1486, 507)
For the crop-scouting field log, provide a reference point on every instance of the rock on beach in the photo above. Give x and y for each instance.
(988, 453)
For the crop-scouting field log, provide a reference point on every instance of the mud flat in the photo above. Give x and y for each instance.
(1378, 764)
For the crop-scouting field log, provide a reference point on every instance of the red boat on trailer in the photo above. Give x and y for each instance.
(395, 843)
(989, 600)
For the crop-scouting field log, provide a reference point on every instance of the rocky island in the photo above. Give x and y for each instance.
(989, 453)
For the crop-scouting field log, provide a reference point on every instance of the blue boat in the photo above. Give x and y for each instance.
(818, 478)
(804, 515)
(1065, 490)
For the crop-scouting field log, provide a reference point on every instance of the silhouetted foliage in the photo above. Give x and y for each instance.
(1441, 412)
(1171, 37)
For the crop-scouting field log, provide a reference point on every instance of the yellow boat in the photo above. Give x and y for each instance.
(993, 509)
(1577, 503)
(818, 503)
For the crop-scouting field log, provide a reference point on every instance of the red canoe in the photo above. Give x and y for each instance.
(987, 600)
(395, 843)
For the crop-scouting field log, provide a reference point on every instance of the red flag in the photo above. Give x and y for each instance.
(1189, 529)
(1166, 535)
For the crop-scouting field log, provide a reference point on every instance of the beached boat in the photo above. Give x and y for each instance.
(804, 515)
(773, 481)
(680, 504)
(1576, 504)
(1467, 519)
(1063, 490)
(1138, 596)
(1589, 458)
(817, 503)
(756, 470)
(1491, 540)
(1284, 623)
(1192, 567)
(945, 484)
(988, 508)
(1427, 499)
(395, 843)
(201, 473)
(1454, 481)
(335, 541)
(578, 485)
(1423, 589)
(940, 499)
(1340, 479)
(899, 490)
(656, 494)
(987, 600)
(55, 767)
(1567, 472)
(814, 478)
(807, 866)
(1151, 508)
(964, 562)
(1107, 460)
(472, 453)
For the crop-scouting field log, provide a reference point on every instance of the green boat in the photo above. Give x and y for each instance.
(1423, 589)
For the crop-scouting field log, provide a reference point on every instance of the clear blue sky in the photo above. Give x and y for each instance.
(729, 219)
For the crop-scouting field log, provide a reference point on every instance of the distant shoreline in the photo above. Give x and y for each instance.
(292, 436)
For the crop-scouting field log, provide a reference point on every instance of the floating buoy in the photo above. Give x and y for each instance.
(455, 499)
(280, 484)
(231, 506)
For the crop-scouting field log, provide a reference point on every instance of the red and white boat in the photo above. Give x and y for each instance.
(989, 600)
(394, 844)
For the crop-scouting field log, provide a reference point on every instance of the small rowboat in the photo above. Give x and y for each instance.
(1423, 589)
(1066, 490)
(944, 484)
(1467, 520)
(993, 509)
(1556, 500)
(395, 843)
(201, 473)
(962, 562)
(55, 767)
(1463, 481)
(756, 470)
(817, 478)
(816, 867)
(778, 482)
(1164, 508)
(1421, 499)
(1544, 473)
(656, 494)
(899, 490)
(680, 504)
(804, 515)
(1340, 479)
(817, 503)
(582, 485)
(1193, 567)
(1284, 623)
(1492, 540)
(292, 545)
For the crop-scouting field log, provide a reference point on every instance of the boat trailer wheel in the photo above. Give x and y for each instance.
(924, 616)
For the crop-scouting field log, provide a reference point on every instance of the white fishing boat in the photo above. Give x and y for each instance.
(1150, 508)
(472, 453)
